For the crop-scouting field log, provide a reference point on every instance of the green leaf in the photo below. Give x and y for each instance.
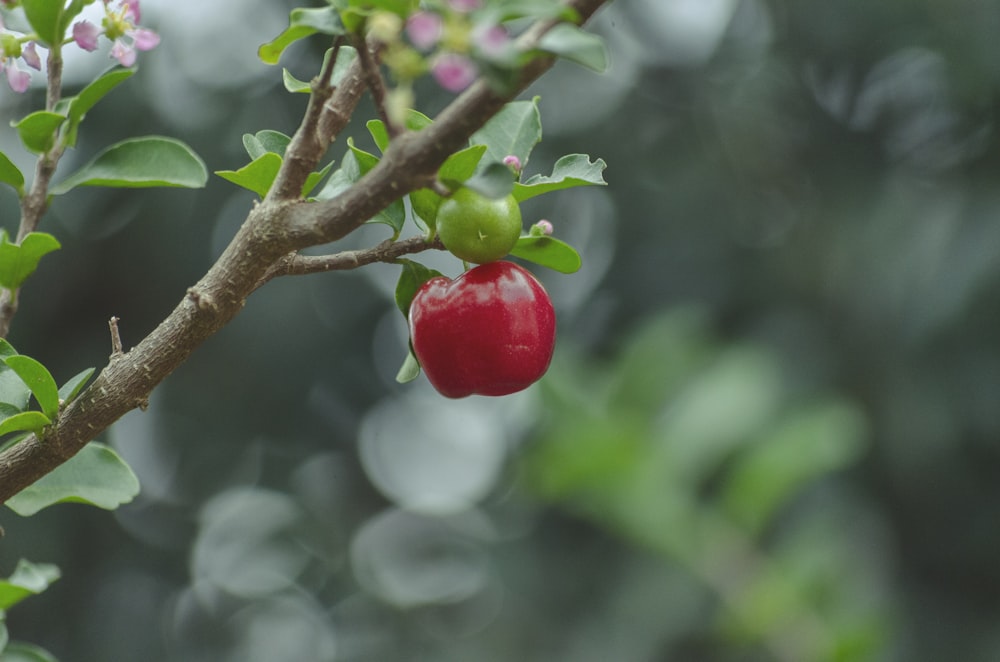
(78, 106)
(38, 130)
(548, 252)
(314, 178)
(22, 652)
(415, 121)
(43, 16)
(413, 276)
(27, 579)
(302, 23)
(409, 371)
(11, 175)
(366, 160)
(72, 388)
(96, 475)
(26, 421)
(39, 380)
(256, 176)
(13, 391)
(461, 165)
(494, 181)
(141, 162)
(425, 203)
(262, 142)
(18, 261)
(574, 44)
(515, 130)
(342, 178)
(395, 214)
(345, 57)
(569, 171)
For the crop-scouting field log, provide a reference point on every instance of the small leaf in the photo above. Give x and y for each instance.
(38, 130)
(72, 388)
(39, 380)
(77, 107)
(262, 142)
(314, 178)
(574, 44)
(548, 252)
(515, 130)
(425, 203)
(18, 261)
(345, 57)
(11, 175)
(141, 162)
(22, 652)
(27, 579)
(569, 171)
(302, 23)
(342, 178)
(461, 165)
(409, 371)
(96, 475)
(413, 276)
(415, 121)
(256, 176)
(494, 181)
(379, 134)
(366, 160)
(26, 421)
(13, 391)
(43, 16)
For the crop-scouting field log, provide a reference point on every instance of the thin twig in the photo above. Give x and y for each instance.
(376, 84)
(387, 251)
(116, 339)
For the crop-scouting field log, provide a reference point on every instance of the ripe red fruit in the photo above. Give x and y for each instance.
(491, 331)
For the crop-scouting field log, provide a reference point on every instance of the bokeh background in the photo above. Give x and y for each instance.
(770, 431)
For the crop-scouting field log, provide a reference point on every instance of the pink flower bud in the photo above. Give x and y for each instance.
(512, 162)
(424, 29)
(454, 72)
(542, 227)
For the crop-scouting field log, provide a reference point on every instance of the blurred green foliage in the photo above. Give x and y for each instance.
(770, 432)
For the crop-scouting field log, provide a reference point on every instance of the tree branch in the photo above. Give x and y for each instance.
(278, 226)
(388, 251)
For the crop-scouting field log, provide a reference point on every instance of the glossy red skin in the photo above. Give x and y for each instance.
(491, 331)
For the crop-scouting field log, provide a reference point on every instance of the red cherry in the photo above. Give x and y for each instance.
(491, 331)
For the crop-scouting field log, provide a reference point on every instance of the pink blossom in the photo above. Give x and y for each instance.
(85, 35)
(544, 227)
(18, 79)
(424, 29)
(30, 55)
(493, 40)
(144, 39)
(454, 72)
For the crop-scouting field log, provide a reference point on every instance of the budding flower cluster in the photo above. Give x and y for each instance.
(454, 41)
(120, 25)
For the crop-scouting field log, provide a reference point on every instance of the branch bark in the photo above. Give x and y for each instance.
(265, 246)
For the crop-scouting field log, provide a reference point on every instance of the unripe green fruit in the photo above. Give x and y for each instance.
(476, 228)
